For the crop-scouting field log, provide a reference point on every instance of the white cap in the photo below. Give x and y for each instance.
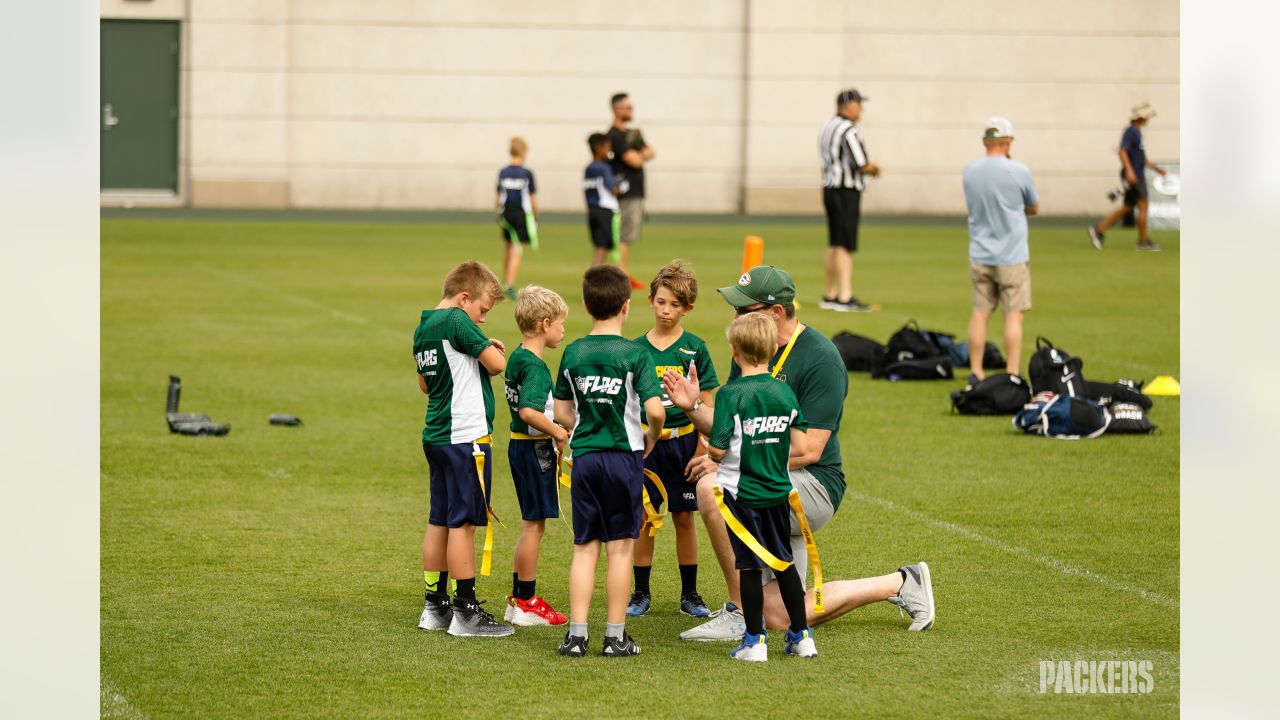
(1143, 111)
(997, 127)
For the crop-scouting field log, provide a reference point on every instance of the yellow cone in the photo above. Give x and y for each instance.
(1163, 385)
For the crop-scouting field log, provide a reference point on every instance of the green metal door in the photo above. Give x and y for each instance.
(139, 113)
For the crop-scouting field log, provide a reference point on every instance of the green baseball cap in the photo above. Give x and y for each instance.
(761, 284)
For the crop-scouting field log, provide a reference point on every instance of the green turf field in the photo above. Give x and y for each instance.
(276, 572)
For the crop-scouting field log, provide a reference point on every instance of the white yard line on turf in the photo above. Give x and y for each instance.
(114, 705)
(295, 299)
(1019, 552)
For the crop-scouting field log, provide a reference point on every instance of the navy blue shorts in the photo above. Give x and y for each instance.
(456, 499)
(606, 496)
(771, 526)
(667, 461)
(533, 468)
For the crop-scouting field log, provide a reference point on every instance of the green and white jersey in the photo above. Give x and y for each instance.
(816, 374)
(608, 378)
(528, 386)
(752, 424)
(459, 397)
(686, 350)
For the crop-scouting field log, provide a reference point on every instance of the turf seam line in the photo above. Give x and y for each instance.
(1019, 552)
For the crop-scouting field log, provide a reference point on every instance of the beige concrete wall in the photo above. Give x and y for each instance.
(1066, 74)
(407, 104)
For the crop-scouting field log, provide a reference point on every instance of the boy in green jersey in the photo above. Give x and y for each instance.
(757, 429)
(671, 296)
(540, 315)
(455, 361)
(603, 382)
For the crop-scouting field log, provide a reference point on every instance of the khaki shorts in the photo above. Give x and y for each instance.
(632, 210)
(1005, 285)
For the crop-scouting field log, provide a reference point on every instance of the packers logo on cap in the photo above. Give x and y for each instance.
(745, 279)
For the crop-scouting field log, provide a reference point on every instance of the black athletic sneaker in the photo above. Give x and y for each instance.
(471, 620)
(1148, 246)
(626, 647)
(853, 305)
(829, 303)
(573, 646)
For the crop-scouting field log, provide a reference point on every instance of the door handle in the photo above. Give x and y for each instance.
(109, 119)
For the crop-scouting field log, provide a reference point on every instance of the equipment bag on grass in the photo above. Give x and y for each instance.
(992, 358)
(1120, 391)
(909, 343)
(1001, 394)
(859, 353)
(1054, 370)
(1062, 417)
(1129, 418)
(937, 367)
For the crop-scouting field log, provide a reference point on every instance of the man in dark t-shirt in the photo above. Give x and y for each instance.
(811, 366)
(630, 153)
(1133, 164)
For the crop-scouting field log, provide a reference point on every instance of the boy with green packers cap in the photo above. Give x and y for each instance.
(756, 429)
(540, 315)
(603, 382)
(455, 361)
(671, 296)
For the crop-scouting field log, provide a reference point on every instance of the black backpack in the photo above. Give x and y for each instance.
(1054, 370)
(1120, 391)
(1001, 394)
(1129, 418)
(937, 367)
(859, 353)
(909, 343)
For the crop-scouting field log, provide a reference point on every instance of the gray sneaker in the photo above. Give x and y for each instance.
(916, 595)
(436, 614)
(471, 620)
(726, 624)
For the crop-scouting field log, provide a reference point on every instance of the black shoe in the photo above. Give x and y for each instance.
(829, 303)
(1149, 246)
(574, 646)
(853, 305)
(626, 647)
(471, 620)
(1096, 237)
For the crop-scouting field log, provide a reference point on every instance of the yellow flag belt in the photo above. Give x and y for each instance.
(778, 565)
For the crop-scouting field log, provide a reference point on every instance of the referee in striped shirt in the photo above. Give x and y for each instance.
(845, 168)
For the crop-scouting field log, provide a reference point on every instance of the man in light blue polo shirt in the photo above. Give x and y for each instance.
(1000, 195)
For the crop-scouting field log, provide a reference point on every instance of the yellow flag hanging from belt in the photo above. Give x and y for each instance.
(652, 517)
(486, 562)
(777, 564)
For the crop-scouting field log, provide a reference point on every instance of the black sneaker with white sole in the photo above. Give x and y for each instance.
(625, 647)
(853, 305)
(471, 620)
(1148, 246)
(573, 646)
(829, 303)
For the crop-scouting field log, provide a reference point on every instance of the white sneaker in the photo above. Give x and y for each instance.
(726, 624)
(510, 613)
(436, 615)
(754, 648)
(801, 644)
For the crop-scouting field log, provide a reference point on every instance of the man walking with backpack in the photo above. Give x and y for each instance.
(1000, 195)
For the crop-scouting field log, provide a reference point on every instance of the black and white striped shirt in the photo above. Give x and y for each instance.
(840, 146)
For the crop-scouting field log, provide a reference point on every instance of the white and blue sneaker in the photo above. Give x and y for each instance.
(754, 648)
(801, 644)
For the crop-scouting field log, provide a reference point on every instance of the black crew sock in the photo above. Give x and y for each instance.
(525, 589)
(752, 599)
(688, 579)
(642, 578)
(466, 589)
(792, 590)
(515, 584)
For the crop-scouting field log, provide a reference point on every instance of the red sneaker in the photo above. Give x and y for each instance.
(536, 611)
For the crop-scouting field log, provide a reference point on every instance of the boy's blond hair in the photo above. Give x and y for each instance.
(677, 277)
(474, 278)
(754, 336)
(535, 304)
(519, 148)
